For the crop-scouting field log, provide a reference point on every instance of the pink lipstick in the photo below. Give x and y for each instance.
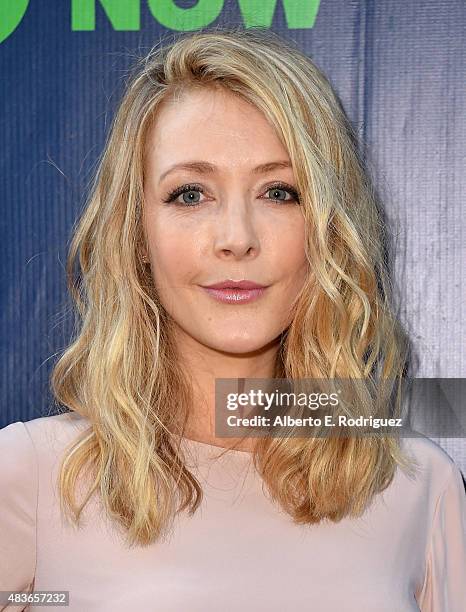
(235, 292)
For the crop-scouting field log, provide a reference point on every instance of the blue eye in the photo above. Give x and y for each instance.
(280, 187)
(192, 189)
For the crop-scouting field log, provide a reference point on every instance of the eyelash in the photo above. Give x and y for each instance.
(172, 195)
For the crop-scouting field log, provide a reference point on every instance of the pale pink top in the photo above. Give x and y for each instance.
(239, 551)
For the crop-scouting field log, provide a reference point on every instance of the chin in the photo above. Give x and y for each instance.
(238, 345)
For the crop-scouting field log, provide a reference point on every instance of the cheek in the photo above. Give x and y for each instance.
(174, 252)
(288, 247)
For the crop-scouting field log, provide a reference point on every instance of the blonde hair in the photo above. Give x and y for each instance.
(120, 371)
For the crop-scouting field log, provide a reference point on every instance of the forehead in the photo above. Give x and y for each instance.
(215, 123)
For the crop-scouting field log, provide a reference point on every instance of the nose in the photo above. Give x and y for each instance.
(235, 233)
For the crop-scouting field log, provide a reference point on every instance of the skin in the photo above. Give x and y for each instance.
(242, 228)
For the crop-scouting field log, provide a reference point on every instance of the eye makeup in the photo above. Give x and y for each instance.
(171, 196)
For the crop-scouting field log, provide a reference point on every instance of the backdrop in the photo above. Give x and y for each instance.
(397, 66)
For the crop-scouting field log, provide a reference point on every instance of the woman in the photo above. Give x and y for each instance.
(230, 160)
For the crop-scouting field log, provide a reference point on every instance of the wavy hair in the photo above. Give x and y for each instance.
(120, 370)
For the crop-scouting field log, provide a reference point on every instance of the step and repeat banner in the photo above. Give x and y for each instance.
(399, 70)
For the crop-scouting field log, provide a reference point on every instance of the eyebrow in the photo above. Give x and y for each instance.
(203, 167)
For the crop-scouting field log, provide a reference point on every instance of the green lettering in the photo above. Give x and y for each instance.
(122, 14)
(11, 14)
(185, 19)
(299, 14)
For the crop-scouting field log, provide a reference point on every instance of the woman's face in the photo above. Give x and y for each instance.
(232, 223)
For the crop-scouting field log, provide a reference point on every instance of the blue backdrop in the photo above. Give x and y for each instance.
(398, 67)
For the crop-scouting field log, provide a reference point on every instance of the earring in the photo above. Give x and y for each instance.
(145, 259)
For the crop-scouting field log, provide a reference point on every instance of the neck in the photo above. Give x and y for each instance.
(203, 365)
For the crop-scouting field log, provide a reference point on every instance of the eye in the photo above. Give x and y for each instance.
(182, 190)
(190, 190)
(283, 188)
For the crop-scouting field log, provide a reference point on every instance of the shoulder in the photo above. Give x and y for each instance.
(433, 461)
(52, 432)
(18, 461)
(26, 446)
(435, 472)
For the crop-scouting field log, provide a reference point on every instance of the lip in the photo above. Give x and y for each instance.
(235, 292)
(231, 284)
